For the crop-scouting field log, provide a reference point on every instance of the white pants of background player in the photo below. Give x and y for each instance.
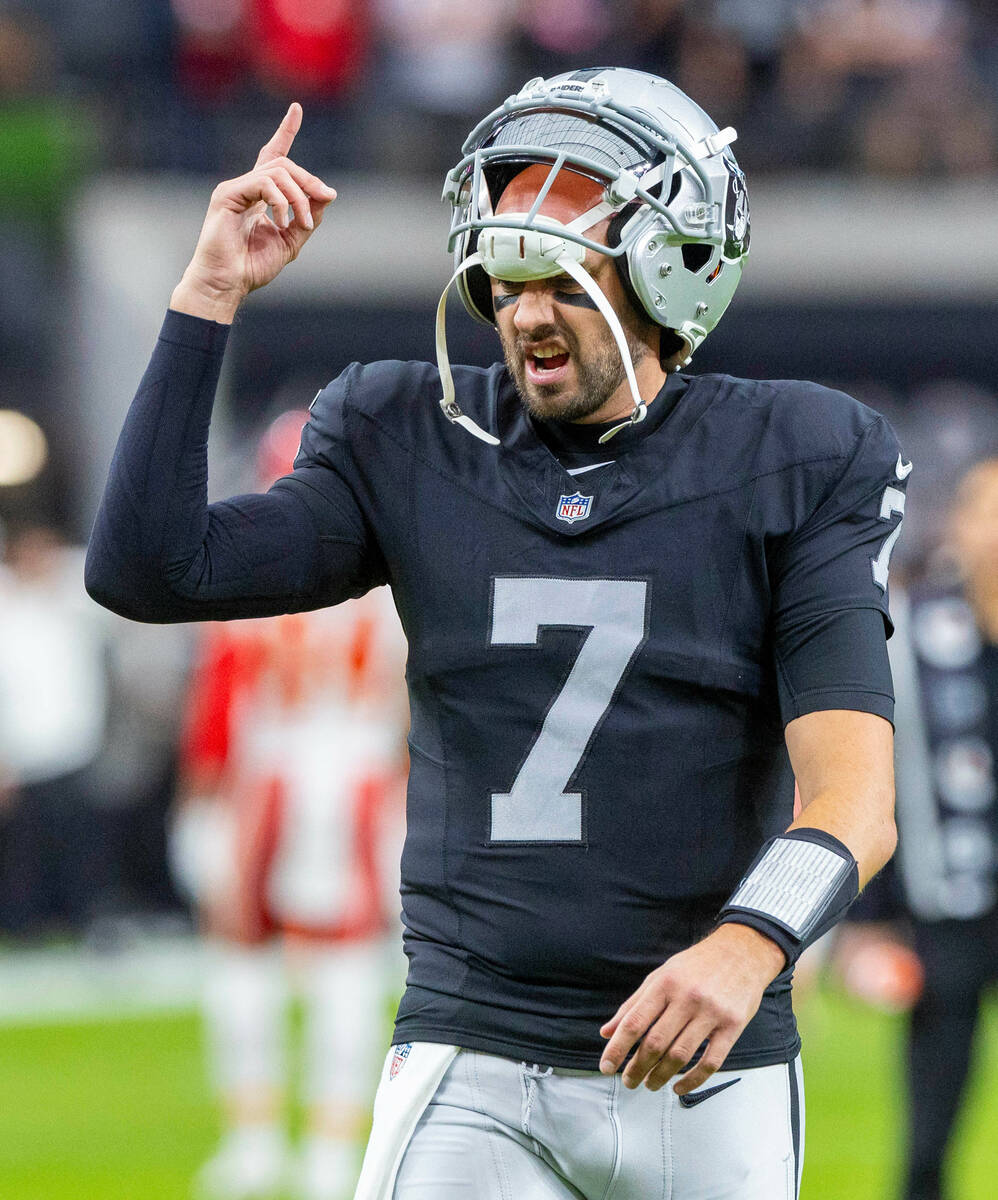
(495, 1129)
(247, 993)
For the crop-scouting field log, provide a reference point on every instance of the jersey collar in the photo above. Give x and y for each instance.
(626, 486)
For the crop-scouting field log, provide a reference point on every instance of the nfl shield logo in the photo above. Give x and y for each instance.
(398, 1059)
(574, 508)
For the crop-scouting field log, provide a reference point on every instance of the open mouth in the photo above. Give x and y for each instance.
(549, 362)
(546, 366)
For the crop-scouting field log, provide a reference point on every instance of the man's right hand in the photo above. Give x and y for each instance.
(240, 247)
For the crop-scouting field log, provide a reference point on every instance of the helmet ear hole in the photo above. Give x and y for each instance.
(696, 255)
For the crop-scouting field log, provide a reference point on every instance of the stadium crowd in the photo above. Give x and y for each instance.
(897, 87)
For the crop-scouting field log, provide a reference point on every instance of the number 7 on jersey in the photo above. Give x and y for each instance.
(537, 807)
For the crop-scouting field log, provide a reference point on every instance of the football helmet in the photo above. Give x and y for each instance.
(679, 229)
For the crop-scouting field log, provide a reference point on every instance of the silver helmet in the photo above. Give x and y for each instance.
(680, 232)
(675, 197)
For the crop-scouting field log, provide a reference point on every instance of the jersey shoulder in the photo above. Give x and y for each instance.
(402, 396)
(778, 424)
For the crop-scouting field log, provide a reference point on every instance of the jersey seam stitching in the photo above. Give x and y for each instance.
(323, 537)
(456, 481)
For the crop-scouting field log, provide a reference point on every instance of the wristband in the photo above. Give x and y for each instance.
(799, 885)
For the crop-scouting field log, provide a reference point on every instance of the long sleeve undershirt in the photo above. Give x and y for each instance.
(159, 552)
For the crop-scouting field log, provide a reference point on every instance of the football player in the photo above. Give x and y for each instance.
(638, 602)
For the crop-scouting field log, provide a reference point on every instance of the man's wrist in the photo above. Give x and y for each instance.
(198, 299)
(744, 938)
(798, 886)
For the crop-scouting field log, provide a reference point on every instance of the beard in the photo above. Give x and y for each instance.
(599, 373)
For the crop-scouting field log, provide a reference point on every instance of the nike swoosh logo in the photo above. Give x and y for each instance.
(903, 469)
(692, 1099)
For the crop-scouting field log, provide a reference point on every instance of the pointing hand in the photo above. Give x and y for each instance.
(241, 248)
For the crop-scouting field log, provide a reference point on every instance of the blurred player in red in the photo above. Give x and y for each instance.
(288, 831)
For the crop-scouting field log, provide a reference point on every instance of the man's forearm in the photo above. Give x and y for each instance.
(863, 823)
(844, 763)
(197, 298)
(158, 551)
(803, 881)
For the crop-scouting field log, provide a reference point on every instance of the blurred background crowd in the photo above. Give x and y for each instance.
(116, 118)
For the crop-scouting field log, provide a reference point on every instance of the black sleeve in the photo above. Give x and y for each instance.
(838, 660)
(159, 552)
(831, 616)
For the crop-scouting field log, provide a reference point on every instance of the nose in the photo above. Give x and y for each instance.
(534, 306)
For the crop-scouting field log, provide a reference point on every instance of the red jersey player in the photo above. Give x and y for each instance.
(288, 831)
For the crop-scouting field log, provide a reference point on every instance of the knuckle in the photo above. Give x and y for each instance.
(632, 1023)
(667, 978)
(680, 1052)
(654, 1045)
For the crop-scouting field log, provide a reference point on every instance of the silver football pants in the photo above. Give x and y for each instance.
(501, 1130)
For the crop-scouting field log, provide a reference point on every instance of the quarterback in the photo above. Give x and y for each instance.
(639, 602)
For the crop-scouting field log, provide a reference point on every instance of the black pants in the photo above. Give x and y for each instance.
(960, 960)
(53, 858)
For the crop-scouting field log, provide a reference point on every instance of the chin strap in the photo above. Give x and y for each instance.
(450, 406)
(592, 289)
(563, 262)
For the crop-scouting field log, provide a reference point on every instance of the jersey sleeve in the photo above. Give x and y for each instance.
(323, 469)
(830, 601)
(160, 552)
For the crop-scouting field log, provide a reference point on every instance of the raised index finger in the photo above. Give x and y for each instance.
(280, 143)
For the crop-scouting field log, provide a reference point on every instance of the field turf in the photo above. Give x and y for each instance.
(119, 1110)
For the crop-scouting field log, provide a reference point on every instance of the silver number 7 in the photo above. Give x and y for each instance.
(537, 808)
(891, 502)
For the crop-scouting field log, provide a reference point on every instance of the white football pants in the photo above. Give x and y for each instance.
(496, 1129)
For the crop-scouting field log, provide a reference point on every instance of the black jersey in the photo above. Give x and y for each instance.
(600, 665)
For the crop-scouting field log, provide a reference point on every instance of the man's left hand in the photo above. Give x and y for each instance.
(707, 993)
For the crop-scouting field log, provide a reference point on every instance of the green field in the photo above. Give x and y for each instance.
(120, 1110)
